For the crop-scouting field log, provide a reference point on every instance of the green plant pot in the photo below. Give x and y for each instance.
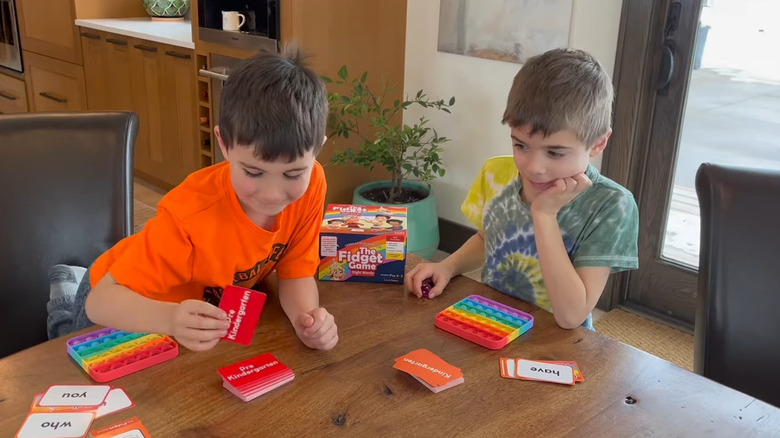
(422, 220)
(166, 8)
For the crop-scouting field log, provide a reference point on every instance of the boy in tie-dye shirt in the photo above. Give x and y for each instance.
(550, 228)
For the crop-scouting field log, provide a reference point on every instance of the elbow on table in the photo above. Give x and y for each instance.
(567, 322)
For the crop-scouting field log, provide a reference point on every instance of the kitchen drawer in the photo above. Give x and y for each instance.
(54, 85)
(13, 98)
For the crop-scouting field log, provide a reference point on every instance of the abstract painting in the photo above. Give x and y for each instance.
(504, 30)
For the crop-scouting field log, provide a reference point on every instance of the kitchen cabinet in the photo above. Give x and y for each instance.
(157, 81)
(54, 85)
(46, 28)
(13, 95)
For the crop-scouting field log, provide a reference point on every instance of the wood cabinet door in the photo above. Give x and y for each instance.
(47, 27)
(146, 84)
(116, 49)
(54, 85)
(13, 97)
(179, 112)
(93, 48)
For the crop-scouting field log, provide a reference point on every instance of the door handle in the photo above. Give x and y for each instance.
(5, 95)
(145, 48)
(116, 41)
(52, 97)
(178, 55)
(667, 67)
(213, 74)
(91, 36)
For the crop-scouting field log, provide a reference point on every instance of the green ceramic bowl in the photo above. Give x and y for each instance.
(167, 8)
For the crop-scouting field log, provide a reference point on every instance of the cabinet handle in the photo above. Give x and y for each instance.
(116, 41)
(52, 97)
(91, 36)
(178, 55)
(5, 95)
(145, 48)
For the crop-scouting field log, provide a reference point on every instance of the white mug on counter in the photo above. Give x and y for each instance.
(232, 20)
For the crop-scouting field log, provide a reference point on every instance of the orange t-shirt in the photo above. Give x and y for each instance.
(201, 241)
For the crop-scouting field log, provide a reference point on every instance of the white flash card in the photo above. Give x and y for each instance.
(56, 425)
(75, 395)
(546, 372)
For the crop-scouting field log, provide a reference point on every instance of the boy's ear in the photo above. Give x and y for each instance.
(324, 140)
(221, 142)
(600, 145)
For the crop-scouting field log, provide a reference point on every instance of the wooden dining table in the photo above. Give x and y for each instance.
(353, 390)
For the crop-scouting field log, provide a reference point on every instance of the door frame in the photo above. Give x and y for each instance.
(636, 74)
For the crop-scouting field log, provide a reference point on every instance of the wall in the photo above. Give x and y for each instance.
(480, 88)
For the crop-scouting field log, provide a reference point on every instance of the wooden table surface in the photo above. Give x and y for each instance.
(354, 390)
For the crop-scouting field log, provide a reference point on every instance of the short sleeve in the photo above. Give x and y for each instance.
(611, 240)
(495, 175)
(302, 257)
(474, 204)
(156, 260)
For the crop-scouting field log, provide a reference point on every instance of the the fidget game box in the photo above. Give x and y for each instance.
(363, 243)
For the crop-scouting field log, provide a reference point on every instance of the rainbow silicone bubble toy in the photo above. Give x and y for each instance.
(484, 322)
(109, 354)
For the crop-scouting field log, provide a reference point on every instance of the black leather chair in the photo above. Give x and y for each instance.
(737, 334)
(66, 196)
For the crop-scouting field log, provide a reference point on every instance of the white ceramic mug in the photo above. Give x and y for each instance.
(232, 20)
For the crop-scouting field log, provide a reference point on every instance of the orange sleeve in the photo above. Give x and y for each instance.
(303, 256)
(157, 260)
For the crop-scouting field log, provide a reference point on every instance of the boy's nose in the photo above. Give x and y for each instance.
(273, 196)
(535, 166)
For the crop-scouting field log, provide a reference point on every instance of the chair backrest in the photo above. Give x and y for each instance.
(66, 196)
(737, 334)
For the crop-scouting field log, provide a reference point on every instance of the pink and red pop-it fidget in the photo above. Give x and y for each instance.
(484, 322)
(109, 354)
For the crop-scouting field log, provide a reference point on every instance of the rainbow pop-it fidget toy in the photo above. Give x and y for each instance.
(109, 354)
(484, 322)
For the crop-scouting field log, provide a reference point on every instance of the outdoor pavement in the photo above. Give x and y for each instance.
(731, 118)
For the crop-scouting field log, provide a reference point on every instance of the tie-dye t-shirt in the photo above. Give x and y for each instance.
(599, 228)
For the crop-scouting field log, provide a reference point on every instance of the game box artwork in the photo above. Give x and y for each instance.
(363, 243)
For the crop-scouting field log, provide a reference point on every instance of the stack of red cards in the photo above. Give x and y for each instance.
(430, 370)
(254, 377)
(243, 307)
(555, 371)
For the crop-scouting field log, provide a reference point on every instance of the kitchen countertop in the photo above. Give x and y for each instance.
(175, 33)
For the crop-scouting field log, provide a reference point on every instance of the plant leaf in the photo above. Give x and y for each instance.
(343, 74)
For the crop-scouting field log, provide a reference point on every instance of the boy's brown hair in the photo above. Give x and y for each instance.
(276, 104)
(562, 89)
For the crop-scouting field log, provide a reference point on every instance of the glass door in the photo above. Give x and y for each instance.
(714, 97)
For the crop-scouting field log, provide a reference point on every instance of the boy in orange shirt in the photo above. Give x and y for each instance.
(231, 223)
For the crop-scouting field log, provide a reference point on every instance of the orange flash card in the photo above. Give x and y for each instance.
(429, 368)
(131, 428)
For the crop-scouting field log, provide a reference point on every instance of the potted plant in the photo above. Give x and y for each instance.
(410, 153)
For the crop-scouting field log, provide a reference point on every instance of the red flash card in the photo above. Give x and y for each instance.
(253, 377)
(243, 307)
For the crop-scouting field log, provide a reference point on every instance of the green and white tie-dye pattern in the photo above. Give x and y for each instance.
(599, 228)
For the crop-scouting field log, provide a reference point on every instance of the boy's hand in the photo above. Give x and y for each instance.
(562, 192)
(198, 325)
(317, 329)
(438, 273)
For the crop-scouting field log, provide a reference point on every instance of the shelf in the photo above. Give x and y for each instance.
(203, 103)
(204, 129)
